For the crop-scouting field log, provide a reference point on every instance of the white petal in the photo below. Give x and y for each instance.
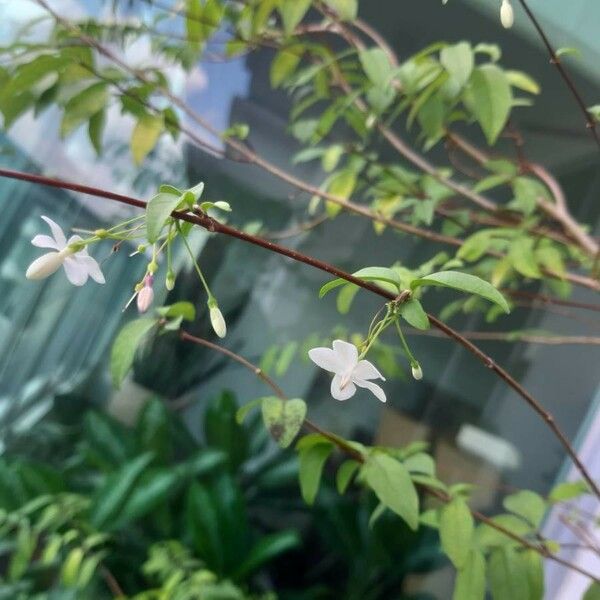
(342, 394)
(347, 352)
(217, 321)
(44, 241)
(57, 232)
(373, 387)
(366, 370)
(76, 272)
(44, 266)
(327, 359)
(92, 267)
(77, 238)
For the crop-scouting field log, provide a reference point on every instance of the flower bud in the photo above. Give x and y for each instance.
(217, 321)
(152, 267)
(45, 265)
(101, 233)
(417, 372)
(170, 281)
(146, 295)
(507, 15)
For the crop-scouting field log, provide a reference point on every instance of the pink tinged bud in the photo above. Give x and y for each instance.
(145, 295)
(417, 372)
(507, 15)
(45, 265)
(218, 322)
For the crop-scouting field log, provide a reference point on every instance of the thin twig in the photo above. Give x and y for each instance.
(212, 225)
(555, 60)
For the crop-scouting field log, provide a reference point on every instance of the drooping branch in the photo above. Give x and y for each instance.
(215, 226)
(341, 444)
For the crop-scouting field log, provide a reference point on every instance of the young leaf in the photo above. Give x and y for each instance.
(242, 412)
(458, 61)
(463, 282)
(391, 482)
(507, 575)
(292, 12)
(285, 63)
(523, 82)
(376, 66)
(387, 278)
(456, 531)
(413, 313)
(125, 346)
(283, 418)
(470, 580)
(83, 106)
(312, 461)
(489, 97)
(346, 9)
(157, 212)
(528, 505)
(534, 567)
(145, 136)
(344, 474)
(568, 491)
(185, 310)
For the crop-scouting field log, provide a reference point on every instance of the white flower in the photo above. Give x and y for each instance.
(217, 321)
(507, 15)
(78, 265)
(145, 295)
(349, 371)
(417, 372)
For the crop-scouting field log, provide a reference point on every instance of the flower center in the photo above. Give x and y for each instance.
(346, 379)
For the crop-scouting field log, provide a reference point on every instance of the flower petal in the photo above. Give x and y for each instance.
(365, 369)
(373, 387)
(342, 394)
(57, 232)
(77, 238)
(44, 241)
(77, 273)
(327, 359)
(44, 266)
(92, 267)
(347, 352)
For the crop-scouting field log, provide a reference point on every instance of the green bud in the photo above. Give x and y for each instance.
(152, 267)
(141, 248)
(170, 280)
(101, 233)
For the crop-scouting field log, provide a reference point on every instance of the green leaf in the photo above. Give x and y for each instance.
(470, 580)
(292, 12)
(507, 575)
(458, 61)
(266, 549)
(285, 63)
(463, 282)
(96, 127)
(283, 418)
(387, 278)
(376, 65)
(412, 312)
(534, 568)
(346, 297)
(346, 9)
(342, 185)
(145, 136)
(568, 491)
(456, 531)
(527, 504)
(312, 461)
(568, 52)
(522, 257)
(242, 412)
(185, 310)
(593, 591)
(489, 97)
(489, 536)
(110, 499)
(83, 106)
(158, 211)
(344, 474)
(522, 81)
(391, 482)
(125, 346)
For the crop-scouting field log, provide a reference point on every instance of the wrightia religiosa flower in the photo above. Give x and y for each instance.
(507, 14)
(70, 254)
(349, 372)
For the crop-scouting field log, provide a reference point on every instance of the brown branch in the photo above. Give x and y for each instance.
(342, 445)
(212, 225)
(555, 60)
(508, 336)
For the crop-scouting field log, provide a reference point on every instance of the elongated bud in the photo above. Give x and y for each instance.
(507, 15)
(417, 372)
(170, 281)
(45, 265)
(217, 321)
(146, 295)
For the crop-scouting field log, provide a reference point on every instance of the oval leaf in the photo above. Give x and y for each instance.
(456, 531)
(283, 418)
(125, 346)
